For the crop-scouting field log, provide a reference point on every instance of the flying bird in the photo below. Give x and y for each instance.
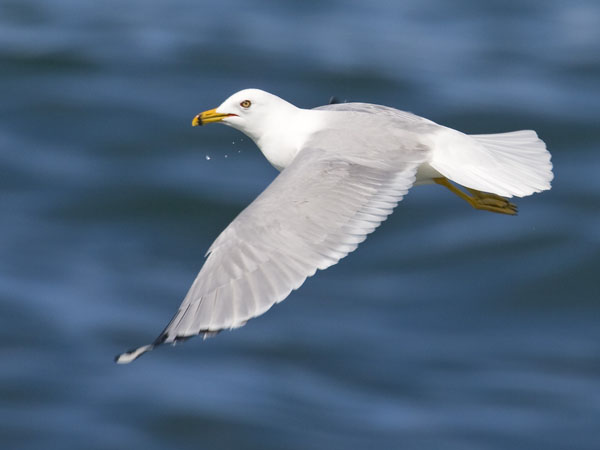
(344, 168)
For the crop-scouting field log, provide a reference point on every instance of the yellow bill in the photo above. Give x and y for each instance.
(209, 116)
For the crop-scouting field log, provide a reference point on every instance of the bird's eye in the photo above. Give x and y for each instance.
(246, 104)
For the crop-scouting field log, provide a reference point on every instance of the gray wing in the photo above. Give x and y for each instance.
(380, 110)
(313, 214)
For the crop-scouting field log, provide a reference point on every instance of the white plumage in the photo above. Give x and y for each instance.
(507, 164)
(344, 169)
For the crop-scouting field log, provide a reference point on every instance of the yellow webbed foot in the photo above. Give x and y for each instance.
(481, 200)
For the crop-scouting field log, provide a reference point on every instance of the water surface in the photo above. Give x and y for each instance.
(449, 328)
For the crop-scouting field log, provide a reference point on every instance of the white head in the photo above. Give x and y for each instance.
(252, 111)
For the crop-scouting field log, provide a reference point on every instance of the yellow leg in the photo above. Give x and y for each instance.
(481, 200)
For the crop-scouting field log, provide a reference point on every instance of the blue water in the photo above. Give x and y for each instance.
(449, 328)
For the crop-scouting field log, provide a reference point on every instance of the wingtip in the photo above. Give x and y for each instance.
(132, 355)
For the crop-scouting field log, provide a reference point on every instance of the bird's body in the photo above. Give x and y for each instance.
(344, 168)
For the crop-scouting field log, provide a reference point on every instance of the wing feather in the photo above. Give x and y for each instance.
(285, 235)
(319, 209)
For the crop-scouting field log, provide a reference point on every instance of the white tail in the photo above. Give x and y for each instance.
(506, 164)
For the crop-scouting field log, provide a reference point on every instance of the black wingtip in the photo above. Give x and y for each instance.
(132, 355)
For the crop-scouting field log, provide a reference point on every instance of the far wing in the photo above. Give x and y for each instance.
(313, 214)
(378, 110)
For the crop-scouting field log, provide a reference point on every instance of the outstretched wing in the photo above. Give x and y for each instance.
(313, 214)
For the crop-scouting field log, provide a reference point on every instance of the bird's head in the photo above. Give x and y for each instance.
(251, 111)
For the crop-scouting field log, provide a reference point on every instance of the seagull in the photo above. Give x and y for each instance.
(344, 168)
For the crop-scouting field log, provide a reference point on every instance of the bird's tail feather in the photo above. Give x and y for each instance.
(506, 164)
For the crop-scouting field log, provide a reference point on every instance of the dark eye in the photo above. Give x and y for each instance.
(246, 104)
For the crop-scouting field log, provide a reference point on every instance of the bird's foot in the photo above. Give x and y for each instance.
(491, 202)
(481, 200)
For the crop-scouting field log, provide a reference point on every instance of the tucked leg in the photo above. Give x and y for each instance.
(481, 200)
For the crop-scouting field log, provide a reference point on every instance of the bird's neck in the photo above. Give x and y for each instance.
(286, 135)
